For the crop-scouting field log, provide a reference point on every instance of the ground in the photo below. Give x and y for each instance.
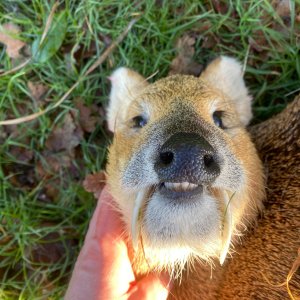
(44, 208)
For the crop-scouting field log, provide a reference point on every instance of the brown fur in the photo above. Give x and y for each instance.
(169, 98)
(267, 254)
(187, 103)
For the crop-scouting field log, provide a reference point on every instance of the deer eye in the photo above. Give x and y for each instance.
(139, 122)
(217, 117)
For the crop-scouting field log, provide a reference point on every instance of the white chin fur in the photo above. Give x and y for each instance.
(173, 233)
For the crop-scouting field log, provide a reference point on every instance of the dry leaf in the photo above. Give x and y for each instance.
(22, 176)
(209, 42)
(52, 190)
(94, 183)
(184, 63)
(65, 136)
(46, 251)
(50, 249)
(37, 90)
(203, 27)
(258, 41)
(89, 117)
(220, 7)
(283, 10)
(60, 156)
(50, 252)
(21, 153)
(13, 45)
(55, 163)
(50, 166)
(254, 45)
(282, 7)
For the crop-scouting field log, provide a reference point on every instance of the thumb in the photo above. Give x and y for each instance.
(151, 287)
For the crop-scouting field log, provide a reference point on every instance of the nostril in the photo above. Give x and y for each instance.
(208, 160)
(166, 157)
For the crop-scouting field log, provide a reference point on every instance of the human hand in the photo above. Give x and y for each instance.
(103, 269)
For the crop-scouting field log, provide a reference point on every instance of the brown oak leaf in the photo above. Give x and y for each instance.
(94, 183)
(89, 116)
(13, 45)
(183, 63)
(51, 248)
(65, 136)
(37, 90)
(282, 7)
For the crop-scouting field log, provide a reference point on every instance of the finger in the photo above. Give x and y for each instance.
(106, 220)
(151, 287)
(102, 270)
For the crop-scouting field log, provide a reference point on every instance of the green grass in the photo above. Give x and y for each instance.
(43, 206)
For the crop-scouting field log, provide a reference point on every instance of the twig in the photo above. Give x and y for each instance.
(18, 67)
(97, 63)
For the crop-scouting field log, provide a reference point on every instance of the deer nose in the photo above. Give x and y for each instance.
(187, 157)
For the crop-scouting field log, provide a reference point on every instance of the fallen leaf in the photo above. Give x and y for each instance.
(8, 33)
(183, 63)
(283, 10)
(220, 7)
(282, 7)
(254, 45)
(47, 252)
(203, 27)
(37, 91)
(56, 169)
(50, 249)
(21, 154)
(106, 39)
(258, 41)
(52, 163)
(61, 159)
(22, 176)
(89, 116)
(52, 190)
(65, 136)
(94, 183)
(53, 40)
(209, 41)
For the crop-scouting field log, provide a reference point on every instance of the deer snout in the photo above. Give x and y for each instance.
(187, 157)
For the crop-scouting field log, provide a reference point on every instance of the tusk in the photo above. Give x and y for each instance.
(136, 216)
(226, 228)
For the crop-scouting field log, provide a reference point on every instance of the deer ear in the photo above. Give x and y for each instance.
(225, 73)
(125, 86)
